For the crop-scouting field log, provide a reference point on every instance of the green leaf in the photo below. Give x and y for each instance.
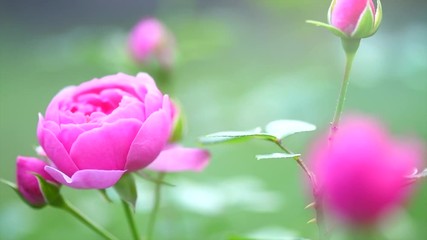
(126, 189)
(330, 28)
(50, 192)
(235, 136)
(178, 125)
(276, 156)
(283, 128)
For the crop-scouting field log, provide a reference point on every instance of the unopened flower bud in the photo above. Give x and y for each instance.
(150, 40)
(28, 184)
(355, 18)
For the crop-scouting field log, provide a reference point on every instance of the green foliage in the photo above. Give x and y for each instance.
(275, 131)
(50, 192)
(276, 156)
(126, 188)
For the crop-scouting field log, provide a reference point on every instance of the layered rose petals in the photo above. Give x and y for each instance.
(96, 131)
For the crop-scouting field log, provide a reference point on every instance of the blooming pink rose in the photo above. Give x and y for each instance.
(150, 39)
(95, 132)
(28, 185)
(363, 174)
(356, 18)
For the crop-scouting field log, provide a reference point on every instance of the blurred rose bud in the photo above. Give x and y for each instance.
(355, 18)
(28, 184)
(150, 39)
(363, 174)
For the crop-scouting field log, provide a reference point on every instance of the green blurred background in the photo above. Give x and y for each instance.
(240, 65)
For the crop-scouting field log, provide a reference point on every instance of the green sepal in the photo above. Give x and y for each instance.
(178, 125)
(236, 136)
(50, 192)
(365, 25)
(126, 189)
(276, 156)
(330, 28)
(284, 128)
(378, 18)
(331, 8)
(15, 188)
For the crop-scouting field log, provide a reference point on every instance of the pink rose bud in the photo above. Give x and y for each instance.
(95, 132)
(363, 175)
(150, 39)
(175, 158)
(28, 185)
(355, 18)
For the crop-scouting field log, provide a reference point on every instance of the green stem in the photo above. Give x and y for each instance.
(76, 213)
(318, 206)
(156, 206)
(131, 220)
(350, 47)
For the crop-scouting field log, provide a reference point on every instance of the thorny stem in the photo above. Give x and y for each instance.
(156, 206)
(318, 202)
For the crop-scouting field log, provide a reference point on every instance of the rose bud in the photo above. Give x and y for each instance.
(355, 18)
(95, 132)
(362, 175)
(149, 40)
(28, 185)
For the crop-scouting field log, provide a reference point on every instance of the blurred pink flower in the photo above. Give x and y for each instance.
(150, 39)
(356, 18)
(95, 132)
(362, 176)
(28, 185)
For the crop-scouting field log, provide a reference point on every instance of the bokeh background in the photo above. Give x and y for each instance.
(240, 64)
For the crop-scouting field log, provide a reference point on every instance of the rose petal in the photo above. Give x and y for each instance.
(64, 95)
(129, 108)
(105, 147)
(176, 158)
(150, 140)
(88, 178)
(56, 151)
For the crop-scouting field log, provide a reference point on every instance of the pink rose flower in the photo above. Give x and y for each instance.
(95, 132)
(356, 18)
(150, 39)
(28, 185)
(363, 175)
